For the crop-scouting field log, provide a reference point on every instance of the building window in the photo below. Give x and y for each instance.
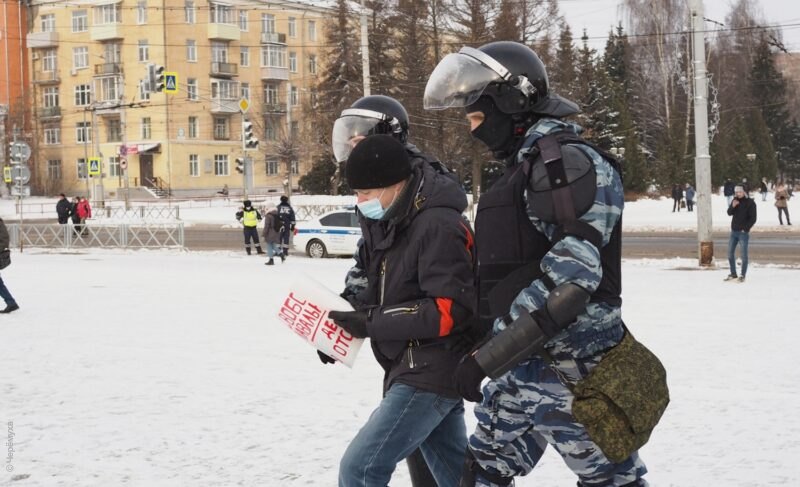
(194, 165)
(189, 11)
(244, 56)
(272, 167)
(243, 20)
(294, 99)
(108, 14)
(191, 89)
(80, 21)
(221, 14)
(141, 12)
(83, 132)
(50, 96)
(246, 90)
(270, 133)
(221, 164)
(293, 62)
(144, 89)
(146, 128)
(295, 130)
(219, 52)
(295, 167)
(80, 57)
(52, 135)
(273, 57)
(49, 60)
(114, 130)
(225, 90)
(191, 50)
(113, 166)
(271, 94)
(112, 52)
(108, 89)
(312, 30)
(54, 169)
(292, 27)
(81, 168)
(83, 95)
(220, 128)
(312, 64)
(48, 23)
(267, 23)
(193, 128)
(144, 51)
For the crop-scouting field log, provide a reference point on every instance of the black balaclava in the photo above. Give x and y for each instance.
(501, 132)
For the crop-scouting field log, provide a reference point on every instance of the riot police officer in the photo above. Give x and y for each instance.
(548, 243)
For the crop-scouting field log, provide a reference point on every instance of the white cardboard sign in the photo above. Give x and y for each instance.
(305, 311)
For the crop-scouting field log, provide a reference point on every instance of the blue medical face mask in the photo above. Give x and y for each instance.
(372, 208)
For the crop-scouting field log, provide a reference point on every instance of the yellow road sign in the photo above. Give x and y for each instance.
(7, 174)
(244, 105)
(94, 166)
(170, 82)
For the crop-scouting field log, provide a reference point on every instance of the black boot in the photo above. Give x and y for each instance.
(283, 256)
(9, 308)
(270, 262)
(248, 250)
(259, 251)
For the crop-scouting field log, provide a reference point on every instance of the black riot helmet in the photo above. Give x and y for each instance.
(506, 81)
(370, 115)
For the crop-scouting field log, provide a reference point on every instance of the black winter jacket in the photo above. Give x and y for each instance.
(63, 209)
(744, 215)
(421, 284)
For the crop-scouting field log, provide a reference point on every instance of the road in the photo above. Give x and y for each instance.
(765, 247)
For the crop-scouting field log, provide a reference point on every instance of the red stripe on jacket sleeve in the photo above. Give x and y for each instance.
(446, 319)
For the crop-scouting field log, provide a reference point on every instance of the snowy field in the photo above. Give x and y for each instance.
(168, 368)
(643, 215)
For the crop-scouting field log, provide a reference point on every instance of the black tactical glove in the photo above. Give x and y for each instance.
(354, 322)
(325, 359)
(468, 377)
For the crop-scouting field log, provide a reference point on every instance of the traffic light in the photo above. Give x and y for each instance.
(250, 140)
(156, 75)
(240, 165)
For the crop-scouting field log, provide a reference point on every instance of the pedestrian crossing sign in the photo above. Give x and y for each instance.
(94, 166)
(170, 82)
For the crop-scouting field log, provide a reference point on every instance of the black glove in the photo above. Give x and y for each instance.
(325, 359)
(354, 322)
(468, 378)
(468, 340)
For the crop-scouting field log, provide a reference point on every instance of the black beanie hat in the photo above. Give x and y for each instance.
(377, 161)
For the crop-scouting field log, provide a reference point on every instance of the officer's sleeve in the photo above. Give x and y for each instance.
(356, 279)
(239, 215)
(445, 276)
(572, 259)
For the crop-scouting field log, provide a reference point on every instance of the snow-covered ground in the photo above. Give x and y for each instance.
(167, 368)
(642, 215)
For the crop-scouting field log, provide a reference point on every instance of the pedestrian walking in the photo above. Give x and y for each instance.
(249, 218)
(743, 214)
(690, 193)
(728, 190)
(5, 261)
(763, 189)
(272, 235)
(73, 213)
(286, 214)
(677, 197)
(84, 210)
(63, 209)
(782, 203)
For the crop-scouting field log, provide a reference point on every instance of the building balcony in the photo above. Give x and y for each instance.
(46, 77)
(106, 108)
(224, 70)
(273, 73)
(273, 38)
(42, 39)
(106, 32)
(106, 69)
(224, 105)
(49, 113)
(224, 32)
(273, 108)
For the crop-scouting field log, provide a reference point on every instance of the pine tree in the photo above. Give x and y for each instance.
(507, 24)
(563, 73)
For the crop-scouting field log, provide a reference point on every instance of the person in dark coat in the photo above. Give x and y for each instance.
(63, 209)
(677, 196)
(763, 189)
(744, 215)
(286, 214)
(414, 295)
(272, 235)
(690, 193)
(11, 303)
(727, 190)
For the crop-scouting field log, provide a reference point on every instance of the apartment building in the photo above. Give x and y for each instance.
(89, 70)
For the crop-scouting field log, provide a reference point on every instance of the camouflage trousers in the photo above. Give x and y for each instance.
(530, 407)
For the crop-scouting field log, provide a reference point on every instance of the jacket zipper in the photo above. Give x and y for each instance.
(410, 353)
(383, 278)
(402, 310)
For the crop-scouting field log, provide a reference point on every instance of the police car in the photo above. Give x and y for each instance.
(334, 233)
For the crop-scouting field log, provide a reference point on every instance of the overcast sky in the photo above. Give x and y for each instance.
(597, 16)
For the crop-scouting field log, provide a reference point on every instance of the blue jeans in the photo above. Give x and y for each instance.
(273, 249)
(736, 238)
(5, 293)
(406, 419)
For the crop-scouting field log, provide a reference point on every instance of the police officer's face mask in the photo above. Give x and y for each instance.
(497, 129)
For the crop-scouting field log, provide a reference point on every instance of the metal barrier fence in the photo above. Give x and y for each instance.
(146, 235)
(139, 212)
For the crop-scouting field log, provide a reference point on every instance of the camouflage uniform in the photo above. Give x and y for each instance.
(530, 407)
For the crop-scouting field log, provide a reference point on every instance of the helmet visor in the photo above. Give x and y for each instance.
(349, 130)
(457, 81)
